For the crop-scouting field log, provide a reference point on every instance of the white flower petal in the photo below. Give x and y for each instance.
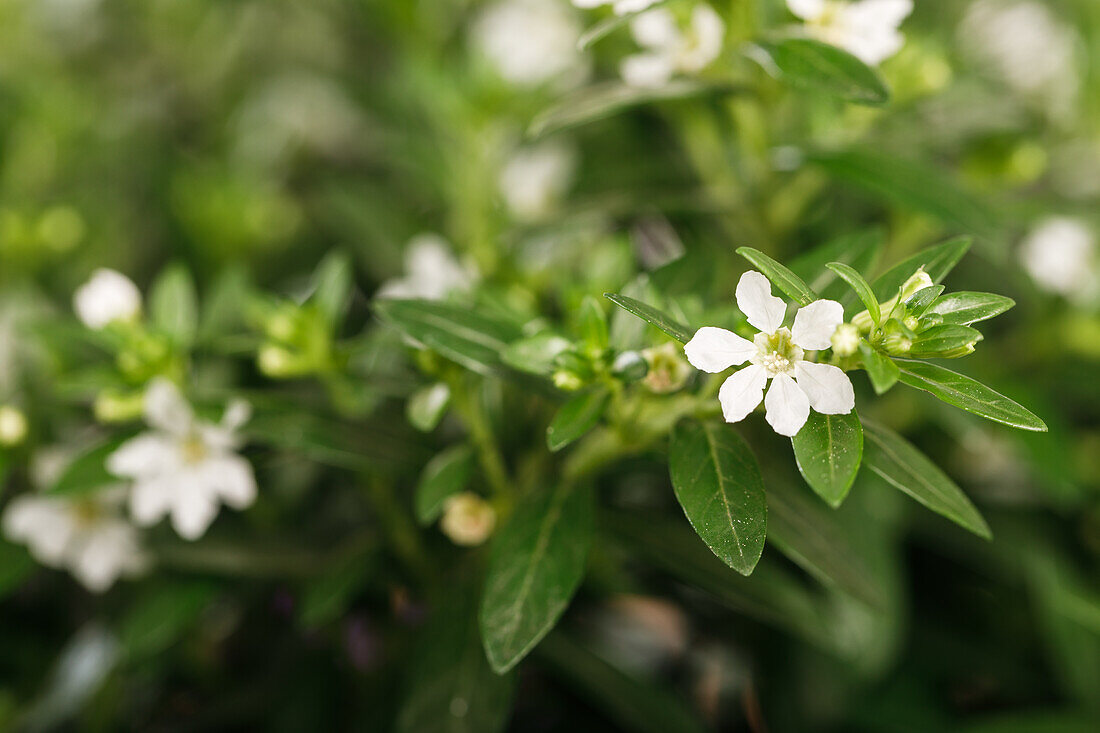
(828, 388)
(715, 350)
(622, 7)
(193, 510)
(237, 413)
(231, 478)
(646, 70)
(151, 499)
(880, 14)
(742, 392)
(147, 454)
(807, 9)
(108, 296)
(815, 324)
(786, 406)
(755, 299)
(104, 555)
(656, 30)
(45, 525)
(709, 32)
(166, 409)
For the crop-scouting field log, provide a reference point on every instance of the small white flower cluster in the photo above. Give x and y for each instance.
(531, 42)
(1060, 254)
(670, 50)
(867, 29)
(432, 272)
(183, 467)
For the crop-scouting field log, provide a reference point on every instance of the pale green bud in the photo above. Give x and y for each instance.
(278, 362)
(567, 380)
(919, 280)
(668, 369)
(845, 339)
(468, 519)
(13, 426)
(113, 406)
(897, 344)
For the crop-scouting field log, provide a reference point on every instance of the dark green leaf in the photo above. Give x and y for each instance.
(718, 484)
(88, 471)
(465, 336)
(173, 304)
(651, 315)
(880, 368)
(828, 450)
(937, 262)
(333, 283)
(629, 702)
(536, 564)
(445, 475)
(964, 308)
(919, 301)
(15, 565)
(943, 339)
(815, 65)
(427, 406)
(535, 354)
(962, 391)
(860, 286)
(860, 250)
(161, 616)
(780, 276)
(898, 463)
(600, 101)
(576, 417)
(593, 325)
(327, 598)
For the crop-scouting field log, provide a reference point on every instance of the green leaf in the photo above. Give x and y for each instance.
(88, 471)
(860, 286)
(898, 463)
(812, 537)
(535, 354)
(462, 335)
(919, 301)
(815, 65)
(451, 688)
(592, 325)
(15, 565)
(828, 450)
(445, 475)
(860, 250)
(600, 101)
(576, 417)
(937, 262)
(629, 702)
(718, 484)
(427, 406)
(653, 316)
(333, 283)
(173, 304)
(325, 599)
(536, 564)
(223, 307)
(783, 278)
(943, 339)
(162, 615)
(964, 392)
(609, 25)
(880, 368)
(964, 308)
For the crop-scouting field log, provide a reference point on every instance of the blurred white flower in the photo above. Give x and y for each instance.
(536, 177)
(776, 353)
(86, 534)
(670, 50)
(13, 426)
(619, 7)
(1060, 255)
(531, 42)
(468, 519)
(1024, 44)
(184, 467)
(432, 272)
(867, 29)
(107, 297)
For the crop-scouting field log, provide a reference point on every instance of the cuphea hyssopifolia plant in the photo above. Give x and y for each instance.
(617, 402)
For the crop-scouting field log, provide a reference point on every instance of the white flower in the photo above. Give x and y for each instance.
(619, 7)
(85, 535)
(107, 297)
(185, 467)
(669, 50)
(468, 519)
(775, 353)
(531, 42)
(431, 271)
(535, 178)
(1060, 254)
(867, 29)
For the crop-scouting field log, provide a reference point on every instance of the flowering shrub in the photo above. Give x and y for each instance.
(656, 365)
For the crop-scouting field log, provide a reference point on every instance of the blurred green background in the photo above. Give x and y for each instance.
(250, 139)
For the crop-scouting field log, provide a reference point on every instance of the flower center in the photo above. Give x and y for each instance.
(193, 449)
(87, 512)
(776, 352)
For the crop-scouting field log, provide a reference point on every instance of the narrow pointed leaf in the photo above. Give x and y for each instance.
(427, 406)
(333, 283)
(919, 301)
(897, 462)
(942, 339)
(535, 354)
(860, 250)
(828, 450)
(576, 417)
(537, 563)
(780, 276)
(445, 475)
(651, 315)
(173, 304)
(718, 484)
(880, 368)
(807, 63)
(860, 286)
(937, 262)
(962, 391)
(609, 25)
(964, 308)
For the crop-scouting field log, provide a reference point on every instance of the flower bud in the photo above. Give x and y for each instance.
(668, 369)
(567, 380)
(278, 362)
(468, 519)
(112, 406)
(897, 344)
(629, 366)
(845, 339)
(282, 325)
(911, 322)
(107, 297)
(919, 280)
(13, 426)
